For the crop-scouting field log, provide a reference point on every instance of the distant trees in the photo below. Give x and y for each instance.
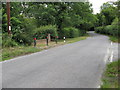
(108, 19)
(29, 18)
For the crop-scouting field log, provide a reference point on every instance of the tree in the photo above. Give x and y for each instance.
(31, 15)
(109, 12)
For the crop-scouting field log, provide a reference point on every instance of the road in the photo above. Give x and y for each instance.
(76, 65)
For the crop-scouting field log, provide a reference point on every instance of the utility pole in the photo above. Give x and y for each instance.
(8, 17)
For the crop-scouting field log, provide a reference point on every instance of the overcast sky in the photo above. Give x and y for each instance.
(97, 3)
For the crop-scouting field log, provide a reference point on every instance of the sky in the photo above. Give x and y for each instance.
(97, 4)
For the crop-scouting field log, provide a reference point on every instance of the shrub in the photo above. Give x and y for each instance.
(82, 32)
(8, 41)
(99, 29)
(108, 30)
(42, 31)
(70, 32)
(66, 32)
(23, 33)
(115, 30)
(23, 38)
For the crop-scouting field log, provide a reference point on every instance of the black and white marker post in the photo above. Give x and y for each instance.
(64, 39)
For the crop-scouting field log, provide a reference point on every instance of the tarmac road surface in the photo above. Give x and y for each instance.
(76, 65)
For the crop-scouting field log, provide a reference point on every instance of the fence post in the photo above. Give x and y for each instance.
(34, 42)
(47, 40)
(56, 39)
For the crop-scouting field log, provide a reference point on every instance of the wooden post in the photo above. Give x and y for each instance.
(8, 17)
(49, 38)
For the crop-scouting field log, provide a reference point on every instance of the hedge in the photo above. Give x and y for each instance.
(43, 31)
(70, 32)
(8, 41)
(108, 30)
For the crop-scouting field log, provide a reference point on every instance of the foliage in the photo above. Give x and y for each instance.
(108, 22)
(43, 31)
(70, 32)
(47, 17)
(7, 41)
(114, 39)
(4, 22)
(109, 11)
(11, 52)
(99, 29)
(110, 78)
(107, 14)
(24, 32)
(109, 30)
(63, 14)
(0, 19)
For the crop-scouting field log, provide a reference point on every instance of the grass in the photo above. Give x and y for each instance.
(9, 53)
(110, 77)
(75, 39)
(114, 39)
(72, 40)
(12, 52)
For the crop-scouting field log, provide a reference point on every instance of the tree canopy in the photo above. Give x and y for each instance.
(108, 19)
(28, 16)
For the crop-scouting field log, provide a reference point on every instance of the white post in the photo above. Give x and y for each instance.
(64, 39)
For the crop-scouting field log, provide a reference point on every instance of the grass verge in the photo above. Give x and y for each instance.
(114, 39)
(12, 52)
(111, 75)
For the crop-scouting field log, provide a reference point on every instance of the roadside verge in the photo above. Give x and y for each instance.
(12, 52)
(111, 75)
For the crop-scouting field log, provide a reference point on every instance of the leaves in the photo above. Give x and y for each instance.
(31, 15)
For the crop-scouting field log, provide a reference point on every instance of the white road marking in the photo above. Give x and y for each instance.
(107, 55)
(111, 43)
(98, 87)
(111, 57)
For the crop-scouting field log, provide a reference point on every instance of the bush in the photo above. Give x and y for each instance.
(82, 32)
(24, 38)
(23, 33)
(8, 41)
(108, 30)
(114, 32)
(99, 29)
(43, 31)
(70, 32)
